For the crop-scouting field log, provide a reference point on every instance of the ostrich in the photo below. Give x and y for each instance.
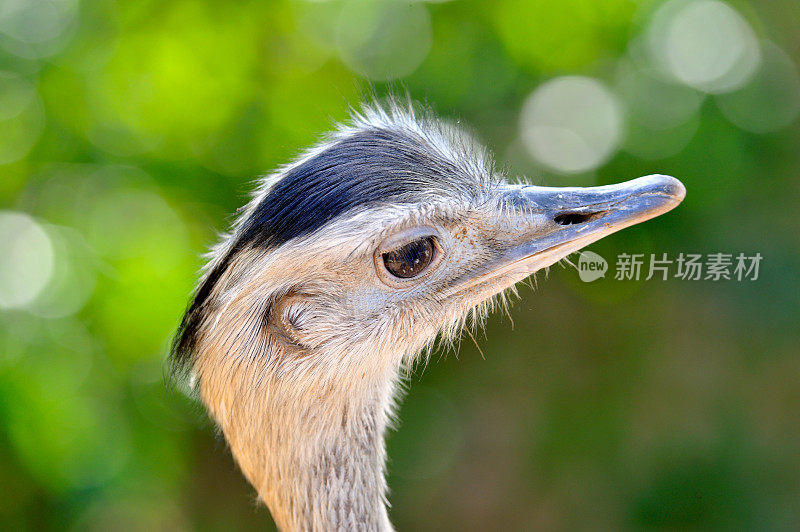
(341, 271)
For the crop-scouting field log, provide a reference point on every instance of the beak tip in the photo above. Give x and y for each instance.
(669, 186)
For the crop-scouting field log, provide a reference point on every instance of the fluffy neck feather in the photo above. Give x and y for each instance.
(314, 449)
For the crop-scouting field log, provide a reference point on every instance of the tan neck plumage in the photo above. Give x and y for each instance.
(313, 450)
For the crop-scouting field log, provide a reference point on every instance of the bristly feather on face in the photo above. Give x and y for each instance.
(385, 158)
(303, 280)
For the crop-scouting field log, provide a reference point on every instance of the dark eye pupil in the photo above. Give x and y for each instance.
(411, 259)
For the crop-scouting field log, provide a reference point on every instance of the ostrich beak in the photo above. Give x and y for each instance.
(575, 217)
(548, 223)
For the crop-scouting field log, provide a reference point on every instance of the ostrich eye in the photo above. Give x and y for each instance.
(410, 260)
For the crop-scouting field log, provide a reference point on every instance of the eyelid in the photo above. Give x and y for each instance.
(403, 238)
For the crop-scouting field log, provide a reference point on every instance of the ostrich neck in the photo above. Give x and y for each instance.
(315, 453)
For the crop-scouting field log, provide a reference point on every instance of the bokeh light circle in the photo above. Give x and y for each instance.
(653, 144)
(705, 44)
(383, 40)
(771, 100)
(42, 25)
(74, 275)
(26, 263)
(16, 94)
(662, 116)
(22, 117)
(652, 102)
(571, 124)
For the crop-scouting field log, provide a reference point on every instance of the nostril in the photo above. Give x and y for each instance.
(573, 218)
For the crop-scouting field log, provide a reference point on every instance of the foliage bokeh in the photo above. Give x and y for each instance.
(131, 129)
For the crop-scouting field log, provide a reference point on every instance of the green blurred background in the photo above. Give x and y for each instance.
(130, 130)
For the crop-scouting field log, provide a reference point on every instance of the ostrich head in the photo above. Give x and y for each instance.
(343, 268)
